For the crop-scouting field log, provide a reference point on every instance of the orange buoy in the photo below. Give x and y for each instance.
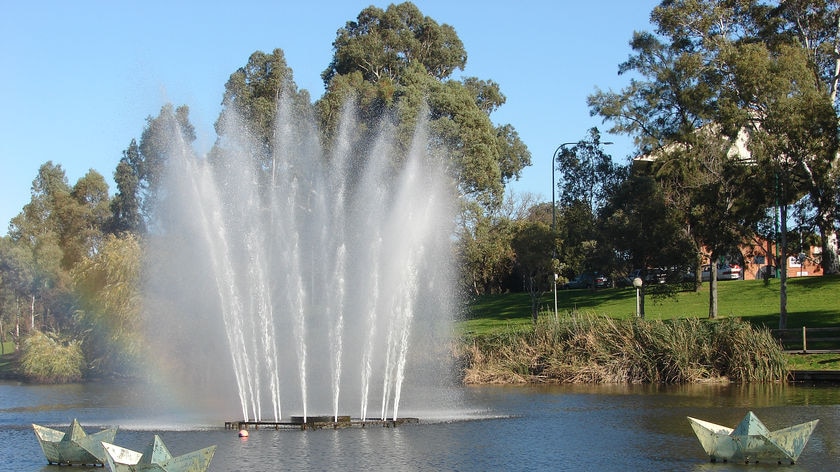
(243, 433)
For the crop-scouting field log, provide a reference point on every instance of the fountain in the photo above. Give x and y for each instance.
(324, 278)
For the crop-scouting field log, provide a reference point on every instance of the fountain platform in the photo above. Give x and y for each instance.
(319, 422)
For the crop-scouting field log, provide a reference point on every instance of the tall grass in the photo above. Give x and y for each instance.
(600, 349)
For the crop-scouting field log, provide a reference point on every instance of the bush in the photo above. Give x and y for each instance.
(599, 349)
(44, 359)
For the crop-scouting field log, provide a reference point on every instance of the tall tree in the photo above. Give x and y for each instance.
(170, 131)
(485, 252)
(812, 27)
(532, 242)
(250, 104)
(586, 177)
(125, 206)
(697, 77)
(398, 61)
(792, 127)
(586, 173)
(17, 282)
(86, 219)
(639, 225)
(38, 228)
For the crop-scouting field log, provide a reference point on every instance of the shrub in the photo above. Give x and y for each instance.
(45, 359)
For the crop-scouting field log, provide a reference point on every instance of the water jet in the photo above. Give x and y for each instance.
(326, 271)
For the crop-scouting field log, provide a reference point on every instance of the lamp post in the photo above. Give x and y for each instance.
(554, 211)
(637, 282)
(554, 221)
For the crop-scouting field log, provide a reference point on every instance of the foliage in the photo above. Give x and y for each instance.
(532, 244)
(109, 316)
(398, 63)
(58, 227)
(46, 359)
(586, 174)
(250, 104)
(600, 349)
(126, 204)
(586, 178)
(162, 136)
(485, 252)
(642, 228)
(747, 87)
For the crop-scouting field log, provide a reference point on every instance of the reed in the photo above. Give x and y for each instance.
(599, 349)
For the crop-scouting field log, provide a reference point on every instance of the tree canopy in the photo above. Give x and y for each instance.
(399, 63)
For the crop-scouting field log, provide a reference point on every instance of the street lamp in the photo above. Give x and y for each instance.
(637, 282)
(554, 222)
(554, 211)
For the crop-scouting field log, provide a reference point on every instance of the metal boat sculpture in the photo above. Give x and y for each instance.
(156, 458)
(751, 441)
(74, 447)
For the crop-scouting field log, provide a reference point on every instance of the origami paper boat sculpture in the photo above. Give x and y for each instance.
(74, 447)
(751, 441)
(156, 458)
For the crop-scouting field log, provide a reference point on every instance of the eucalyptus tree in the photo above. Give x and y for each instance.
(140, 171)
(162, 135)
(586, 178)
(39, 230)
(812, 28)
(399, 62)
(250, 106)
(669, 109)
(792, 126)
(484, 248)
(701, 71)
(489, 263)
(17, 276)
(125, 205)
(84, 225)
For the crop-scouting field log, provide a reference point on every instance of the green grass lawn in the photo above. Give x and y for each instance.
(8, 360)
(812, 302)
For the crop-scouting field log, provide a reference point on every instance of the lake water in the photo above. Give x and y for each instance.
(559, 428)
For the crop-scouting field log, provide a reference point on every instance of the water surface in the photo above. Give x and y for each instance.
(562, 428)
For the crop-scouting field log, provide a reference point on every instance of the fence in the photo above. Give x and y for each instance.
(809, 340)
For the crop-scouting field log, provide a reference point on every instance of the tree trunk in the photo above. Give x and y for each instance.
(535, 294)
(783, 263)
(698, 274)
(830, 261)
(17, 320)
(713, 298)
(642, 301)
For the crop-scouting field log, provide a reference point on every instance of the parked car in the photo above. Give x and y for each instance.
(601, 281)
(651, 276)
(725, 272)
(588, 280)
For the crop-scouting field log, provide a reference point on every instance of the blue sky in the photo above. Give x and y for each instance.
(79, 78)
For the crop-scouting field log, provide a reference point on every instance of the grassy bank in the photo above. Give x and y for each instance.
(501, 345)
(812, 302)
